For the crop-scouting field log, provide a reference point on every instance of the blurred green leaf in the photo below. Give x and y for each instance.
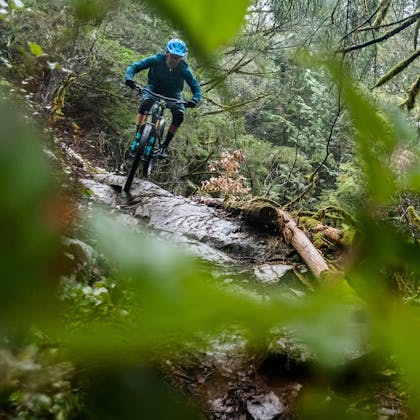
(316, 404)
(206, 25)
(29, 250)
(111, 392)
(414, 179)
(396, 329)
(87, 10)
(35, 49)
(173, 301)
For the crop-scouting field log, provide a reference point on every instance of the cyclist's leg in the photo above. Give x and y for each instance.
(177, 119)
(141, 119)
(145, 106)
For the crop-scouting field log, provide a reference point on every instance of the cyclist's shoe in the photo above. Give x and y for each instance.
(163, 152)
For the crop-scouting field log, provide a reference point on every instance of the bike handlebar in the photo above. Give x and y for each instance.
(141, 90)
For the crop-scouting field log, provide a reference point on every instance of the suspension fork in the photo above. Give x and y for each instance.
(151, 140)
(158, 120)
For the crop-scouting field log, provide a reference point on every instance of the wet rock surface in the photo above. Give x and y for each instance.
(208, 233)
(231, 384)
(271, 273)
(265, 407)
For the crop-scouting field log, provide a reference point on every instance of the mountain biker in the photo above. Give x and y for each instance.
(166, 76)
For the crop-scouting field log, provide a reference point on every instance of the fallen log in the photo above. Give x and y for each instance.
(267, 213)
(261, 214)
(301, 243)
(329, 233)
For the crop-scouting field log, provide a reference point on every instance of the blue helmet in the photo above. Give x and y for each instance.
(177, 47)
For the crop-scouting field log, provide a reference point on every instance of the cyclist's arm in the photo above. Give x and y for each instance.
(193, 84)
(137, 66)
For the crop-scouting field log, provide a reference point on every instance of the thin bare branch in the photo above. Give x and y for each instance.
(198, 167)
(217, 80)
(360, 25)
(383, 10)
(416, 34)
(235, 106)
(385, 36)
(104, 91)
(387, 25)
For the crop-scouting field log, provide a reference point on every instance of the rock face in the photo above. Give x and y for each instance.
(270, 273)
(265, 407)
(209, 233)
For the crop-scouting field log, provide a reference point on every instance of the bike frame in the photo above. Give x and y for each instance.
(151, 135)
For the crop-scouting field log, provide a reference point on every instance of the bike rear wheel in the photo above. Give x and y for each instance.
(147, 131)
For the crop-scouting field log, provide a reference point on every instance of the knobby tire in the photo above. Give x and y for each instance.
(144, 139)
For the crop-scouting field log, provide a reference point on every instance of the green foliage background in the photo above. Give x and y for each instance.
(132, 312)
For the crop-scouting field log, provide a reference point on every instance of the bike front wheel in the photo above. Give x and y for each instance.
(147, 132)
(149, 165)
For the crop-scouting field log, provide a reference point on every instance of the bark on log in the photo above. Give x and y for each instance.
(331, 233)
(265, 213)
(261, 214)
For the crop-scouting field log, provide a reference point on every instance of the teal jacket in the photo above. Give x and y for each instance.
(164, 81)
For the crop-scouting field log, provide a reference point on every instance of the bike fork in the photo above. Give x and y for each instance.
(149, 147)
(135, 143)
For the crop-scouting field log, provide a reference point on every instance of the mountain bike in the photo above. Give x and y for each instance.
(149, 136)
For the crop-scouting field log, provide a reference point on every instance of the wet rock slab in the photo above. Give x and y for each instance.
(188, 220)
(265, 407)
(271, 273)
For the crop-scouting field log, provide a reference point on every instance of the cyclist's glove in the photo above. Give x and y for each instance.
(192, 103)
(130, 83)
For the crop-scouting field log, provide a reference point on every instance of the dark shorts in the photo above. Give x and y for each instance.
(177, 110)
